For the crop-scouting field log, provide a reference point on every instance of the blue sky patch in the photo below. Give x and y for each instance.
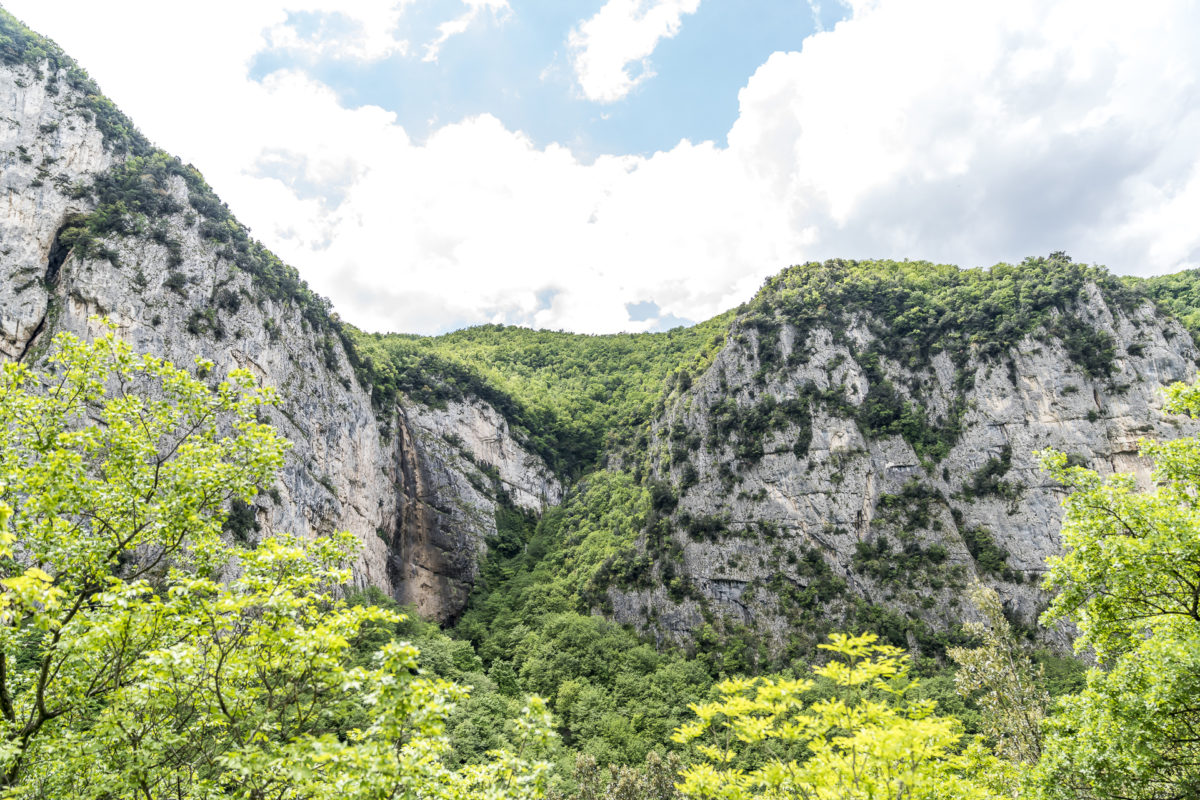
(640, 312)
(518, 68)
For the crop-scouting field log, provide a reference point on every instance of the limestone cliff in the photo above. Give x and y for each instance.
(788, 512)
(178, 277)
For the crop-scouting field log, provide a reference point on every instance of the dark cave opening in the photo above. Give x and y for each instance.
(58, 256)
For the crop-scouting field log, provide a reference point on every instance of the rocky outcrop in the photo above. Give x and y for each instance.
(419, 489)
(47, 149)
(453, 465)
(826, 522)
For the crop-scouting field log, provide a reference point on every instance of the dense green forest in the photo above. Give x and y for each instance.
(573, 398)
(531, 621)
(1178, 294)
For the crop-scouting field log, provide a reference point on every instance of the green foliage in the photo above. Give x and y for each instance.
(906, 566)
(143, 656)
(1128, 580)
(617, 697)
(802, 599)
(135, 194)
(1091, 349)
(655, 780)
(907, 562)
(128, 669)
(987, 480)
(902, 629)
(884, 412)
(912, 509)
(512, 531)
(708, 527)
(561, 565)
(1003, 680)
(241, 524)
(772, 738)
(21, 46)
(568, 396)
(990, 558)
(1178, 294)
(922, 309)
(750, 425)
(1063, 674)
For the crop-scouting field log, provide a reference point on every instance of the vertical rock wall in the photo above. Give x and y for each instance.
(765, 541)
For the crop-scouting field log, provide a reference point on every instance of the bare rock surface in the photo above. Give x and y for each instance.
(745, 526)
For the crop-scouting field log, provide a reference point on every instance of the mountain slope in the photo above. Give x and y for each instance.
(861, 449)
(866, 445)
(573, 398)
(98, 223)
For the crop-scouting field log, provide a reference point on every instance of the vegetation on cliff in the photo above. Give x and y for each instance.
(1177, 294)
(917, 309)
(571, 398)
(21, 46)
(127, 669)
(130, 668)
(911, 311)
(137, 198)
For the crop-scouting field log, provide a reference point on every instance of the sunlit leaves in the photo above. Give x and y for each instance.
(1130, 581)
(769, 738)
(1002, 679)
(143, 656)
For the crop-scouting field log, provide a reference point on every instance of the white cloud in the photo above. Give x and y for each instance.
(621, 34)
(370, 32)
(458, 25)
(976, 132)
(814, 8)
(962, 132)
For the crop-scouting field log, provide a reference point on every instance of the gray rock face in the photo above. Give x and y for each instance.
(756, 532)
(412, 487)
(453, 463)
(45, 149)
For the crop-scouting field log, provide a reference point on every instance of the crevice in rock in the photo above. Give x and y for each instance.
(418, 568)
(37, 331)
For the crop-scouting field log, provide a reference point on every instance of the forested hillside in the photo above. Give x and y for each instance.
(1177, 294)
(572, 398)
(869, 392)
(537, 617)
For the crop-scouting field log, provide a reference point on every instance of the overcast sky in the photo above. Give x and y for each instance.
(606, 165)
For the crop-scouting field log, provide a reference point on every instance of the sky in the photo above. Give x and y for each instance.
(630, 165)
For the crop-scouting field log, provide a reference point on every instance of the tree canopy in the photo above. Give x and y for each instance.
(1129, 580)
(771, 738)
(141, 655)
